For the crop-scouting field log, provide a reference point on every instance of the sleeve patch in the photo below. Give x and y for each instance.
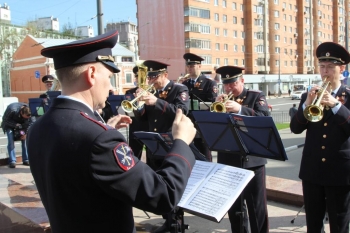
(124, 156)
(262, 102)
(184, 96)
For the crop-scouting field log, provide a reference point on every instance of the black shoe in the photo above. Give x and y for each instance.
(26, 163)
(164, 228)
(12, 165)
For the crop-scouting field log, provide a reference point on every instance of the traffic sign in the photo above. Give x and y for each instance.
(346, 73)
(37, 74)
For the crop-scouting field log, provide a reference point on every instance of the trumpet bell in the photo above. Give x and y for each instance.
(218, 107)
(127, 106)
(313, 113)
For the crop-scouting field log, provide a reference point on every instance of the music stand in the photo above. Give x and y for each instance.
(38, 106)
(115, 101)
(159, 145)
(244, 135)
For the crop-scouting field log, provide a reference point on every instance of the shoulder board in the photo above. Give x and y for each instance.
(102, 125)
(257, 91)
(179, 84)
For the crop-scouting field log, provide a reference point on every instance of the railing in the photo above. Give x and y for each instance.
(280, 117)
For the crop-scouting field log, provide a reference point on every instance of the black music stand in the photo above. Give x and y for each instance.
(38, 106)
(115, 101)
(244, 135)
(159, 145)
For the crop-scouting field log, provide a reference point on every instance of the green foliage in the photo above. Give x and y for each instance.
(282, 126)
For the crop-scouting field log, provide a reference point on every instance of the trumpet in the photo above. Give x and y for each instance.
(129, 106)
(314, 112)
(219, 106)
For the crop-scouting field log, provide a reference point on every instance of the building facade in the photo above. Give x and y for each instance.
(273, 39)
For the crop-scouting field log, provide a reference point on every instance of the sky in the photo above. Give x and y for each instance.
(75, 12)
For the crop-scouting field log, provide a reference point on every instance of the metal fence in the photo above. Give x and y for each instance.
(280, 117)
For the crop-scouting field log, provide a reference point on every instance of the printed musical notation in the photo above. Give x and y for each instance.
(213, 188)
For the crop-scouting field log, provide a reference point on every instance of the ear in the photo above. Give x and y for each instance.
(90, 75)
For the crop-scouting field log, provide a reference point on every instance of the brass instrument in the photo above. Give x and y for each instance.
(129, 106)
(314, 112)
(219, 106)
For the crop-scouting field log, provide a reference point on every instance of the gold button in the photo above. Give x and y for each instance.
(325, 124)
(324, 136)
(155, 129)
(323, 160)
(155, 120)
(323, 147)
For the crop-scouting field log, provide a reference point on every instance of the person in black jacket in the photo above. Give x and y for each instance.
(249, 103)
(87, 177)
(325, 164)
(202, 89)
(15, 123)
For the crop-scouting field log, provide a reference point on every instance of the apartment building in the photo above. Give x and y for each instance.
(275, 40)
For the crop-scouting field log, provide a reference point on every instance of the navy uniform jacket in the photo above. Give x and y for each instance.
(160, 116)
(88, 178)
(204, 88)
(253, 104)
(326, 154)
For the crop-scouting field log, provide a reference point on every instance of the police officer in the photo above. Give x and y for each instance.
(202, 89)
(87, 176)
(325, 164)
(137, 124)
(250, 103)
(159, 111)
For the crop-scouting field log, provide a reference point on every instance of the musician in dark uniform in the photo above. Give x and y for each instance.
(86, 174)
(202, 89)
(137, 124)
(159, 111)
(249, 103)
(325, 164)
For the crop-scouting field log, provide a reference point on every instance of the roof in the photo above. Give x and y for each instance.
(118, 50)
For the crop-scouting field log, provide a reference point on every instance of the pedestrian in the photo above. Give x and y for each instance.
(87, 176)
(48, 81)
(15, 123)
(158, 112)
(201, 89)
(292, 111)
(250, 103)
(289, 91)
(325, 164)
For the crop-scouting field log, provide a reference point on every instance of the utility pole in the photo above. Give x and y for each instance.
(99, 17)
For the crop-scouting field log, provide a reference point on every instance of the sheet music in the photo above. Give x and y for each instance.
(214, 188)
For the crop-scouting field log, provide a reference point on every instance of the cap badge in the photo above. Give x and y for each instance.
(151, 69)
(105, 58)
(328, 54)
(227, 75)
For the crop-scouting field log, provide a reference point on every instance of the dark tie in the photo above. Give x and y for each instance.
(333, 94)
(192, 82)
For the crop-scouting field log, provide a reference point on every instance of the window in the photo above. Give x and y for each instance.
(277, 26)
(225, 32)
(217, 61)
(224, 3)
(217, 46)
(235, 62)
(277, 50)
(201, 44)
(234, 20)
(216, 16)
(277, 38)
(224, 18)
(277, 62)
(225, 47)
(242, 21)
(275, 2)
(234, 34)
(259, 49)
(126, 59)
(242, 7)
(192, 27)
(243, 35)
(207, 59)
(243, 48)
(217, 31)
(225, 61)
(128, 77)
(195, 12)
(243, 62)
(216, 2)
(234, 6)
(235, 48)
(277, 14)
(258, 22)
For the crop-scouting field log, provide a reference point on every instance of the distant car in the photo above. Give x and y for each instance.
(296, 95)
(270, 107)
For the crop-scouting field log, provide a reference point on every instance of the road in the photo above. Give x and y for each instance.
(282, 104)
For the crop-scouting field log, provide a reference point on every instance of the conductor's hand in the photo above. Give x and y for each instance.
(183, 128)
(119, 121)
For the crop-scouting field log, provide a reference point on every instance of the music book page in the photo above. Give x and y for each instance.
(213, 188)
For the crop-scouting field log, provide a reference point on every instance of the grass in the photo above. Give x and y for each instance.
(282, 126)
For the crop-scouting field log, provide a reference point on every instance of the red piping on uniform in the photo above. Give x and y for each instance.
(177, 155)
(93, 120)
